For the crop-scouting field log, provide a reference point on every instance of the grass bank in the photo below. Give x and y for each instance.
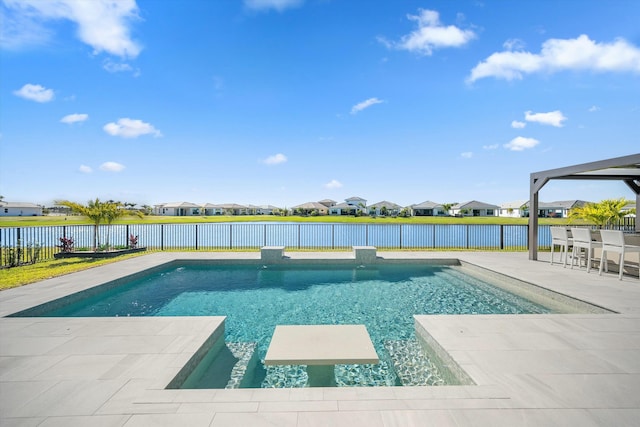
(23, 275)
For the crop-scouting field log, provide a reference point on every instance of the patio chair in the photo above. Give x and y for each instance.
(613, 241)
(582, 240)
(560, 237)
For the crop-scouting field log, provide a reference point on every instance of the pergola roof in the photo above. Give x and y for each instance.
(626, 169)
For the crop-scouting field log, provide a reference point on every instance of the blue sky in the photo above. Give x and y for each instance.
(287, 101)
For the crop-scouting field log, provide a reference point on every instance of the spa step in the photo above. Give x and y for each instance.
(411, 364)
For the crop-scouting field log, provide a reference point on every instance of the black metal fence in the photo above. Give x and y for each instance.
(24, 245)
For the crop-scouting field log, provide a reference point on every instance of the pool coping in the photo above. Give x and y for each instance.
(579, 367)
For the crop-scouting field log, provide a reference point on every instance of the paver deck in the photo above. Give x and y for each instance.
(550, 369)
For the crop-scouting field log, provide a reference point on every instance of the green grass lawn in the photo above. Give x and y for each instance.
(25, 274)
(78, 220)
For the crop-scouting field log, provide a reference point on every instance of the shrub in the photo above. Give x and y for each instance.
(66, 244)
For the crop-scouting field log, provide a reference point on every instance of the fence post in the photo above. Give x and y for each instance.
(230, 236)
(264, 237)
(366, 234)
(467, 228)
(126, 235)
(433, 226)
(333, 232)
(196, 237)
(501, 236)
(162, 237)
(298, 236)
(400, 236)
(18, 247)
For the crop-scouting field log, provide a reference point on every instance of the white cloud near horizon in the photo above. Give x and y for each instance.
(365, 104)
(279, 5)
(491, 147)
(552, 118)
(594, 108)
(556, 55)
(131, 128)
(85, 169)
(521, 143)
(102, 24)
(276, 159)
(467, 154)
(333, 184)
(35, 93)
(518, 124)
(431, 34)
(112, 167)
(74, 118)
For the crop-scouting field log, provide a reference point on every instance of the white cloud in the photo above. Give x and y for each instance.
(333, 184)
(513, 44)
(102, 24)
(119, 67)
(34, 93)
(521, 143)
(552, 118)
(276, 159)
(365, 104)
(517, 124)
(130, 128)
(116, 67)
(594, 108)
(18, 30)
(491, 147)
(278, 5)
(74, 118)
(111, 167)
(467, 154)
(85, 169)
(430, 34)
(580, 53)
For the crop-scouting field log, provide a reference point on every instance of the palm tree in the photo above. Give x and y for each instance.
(112, 211)
(98, 212)
(447, 207)
(363, 208)
(94, 210)
(603, 213)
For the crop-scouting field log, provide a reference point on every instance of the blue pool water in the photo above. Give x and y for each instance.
(257, 298)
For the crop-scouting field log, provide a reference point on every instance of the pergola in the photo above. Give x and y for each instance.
(626, 168)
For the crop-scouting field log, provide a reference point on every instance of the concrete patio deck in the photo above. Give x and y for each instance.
(578, 369)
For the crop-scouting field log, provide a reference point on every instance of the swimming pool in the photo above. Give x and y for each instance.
(255, 298)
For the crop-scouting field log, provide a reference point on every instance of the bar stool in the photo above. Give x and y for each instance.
(560, 237)
(613, 241)
(582, 240)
